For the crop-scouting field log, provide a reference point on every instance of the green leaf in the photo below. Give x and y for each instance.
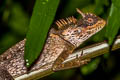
(116, 3)
(42, 17)
(113, 21)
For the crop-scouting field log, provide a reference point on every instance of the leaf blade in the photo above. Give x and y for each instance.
(113, 22)
(43, 15)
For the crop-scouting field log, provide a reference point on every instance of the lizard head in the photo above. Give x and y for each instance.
(83, 28)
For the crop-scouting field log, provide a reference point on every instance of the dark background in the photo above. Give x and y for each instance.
(14, 21)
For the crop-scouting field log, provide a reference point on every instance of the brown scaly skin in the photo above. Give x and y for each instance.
(4, 74)
(60, 43)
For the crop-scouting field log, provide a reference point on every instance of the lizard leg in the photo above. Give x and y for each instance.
(4, 74)
(77, 62)
(72, 64)
(59, 60)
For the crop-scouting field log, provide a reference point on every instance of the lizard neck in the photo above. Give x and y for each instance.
(72, 35)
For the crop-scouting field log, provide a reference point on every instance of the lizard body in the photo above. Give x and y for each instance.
(60, 43)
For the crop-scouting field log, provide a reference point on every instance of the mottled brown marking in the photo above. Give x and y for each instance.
(4, 74)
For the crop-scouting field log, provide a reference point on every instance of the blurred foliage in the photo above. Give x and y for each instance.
(14, 20)
(18, 19)
(90, 67)
(13, 25)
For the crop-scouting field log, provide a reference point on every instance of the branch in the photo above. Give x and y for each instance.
(88, 52)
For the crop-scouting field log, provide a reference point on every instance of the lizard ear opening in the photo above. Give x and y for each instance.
(80, 12)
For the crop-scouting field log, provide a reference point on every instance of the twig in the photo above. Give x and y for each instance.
(88, 52)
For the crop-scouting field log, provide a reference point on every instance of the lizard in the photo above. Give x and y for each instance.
(60, 43)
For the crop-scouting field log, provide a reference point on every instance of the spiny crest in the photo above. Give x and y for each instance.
(63, 22)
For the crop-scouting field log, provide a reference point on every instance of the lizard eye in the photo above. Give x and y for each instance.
(90, 20)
